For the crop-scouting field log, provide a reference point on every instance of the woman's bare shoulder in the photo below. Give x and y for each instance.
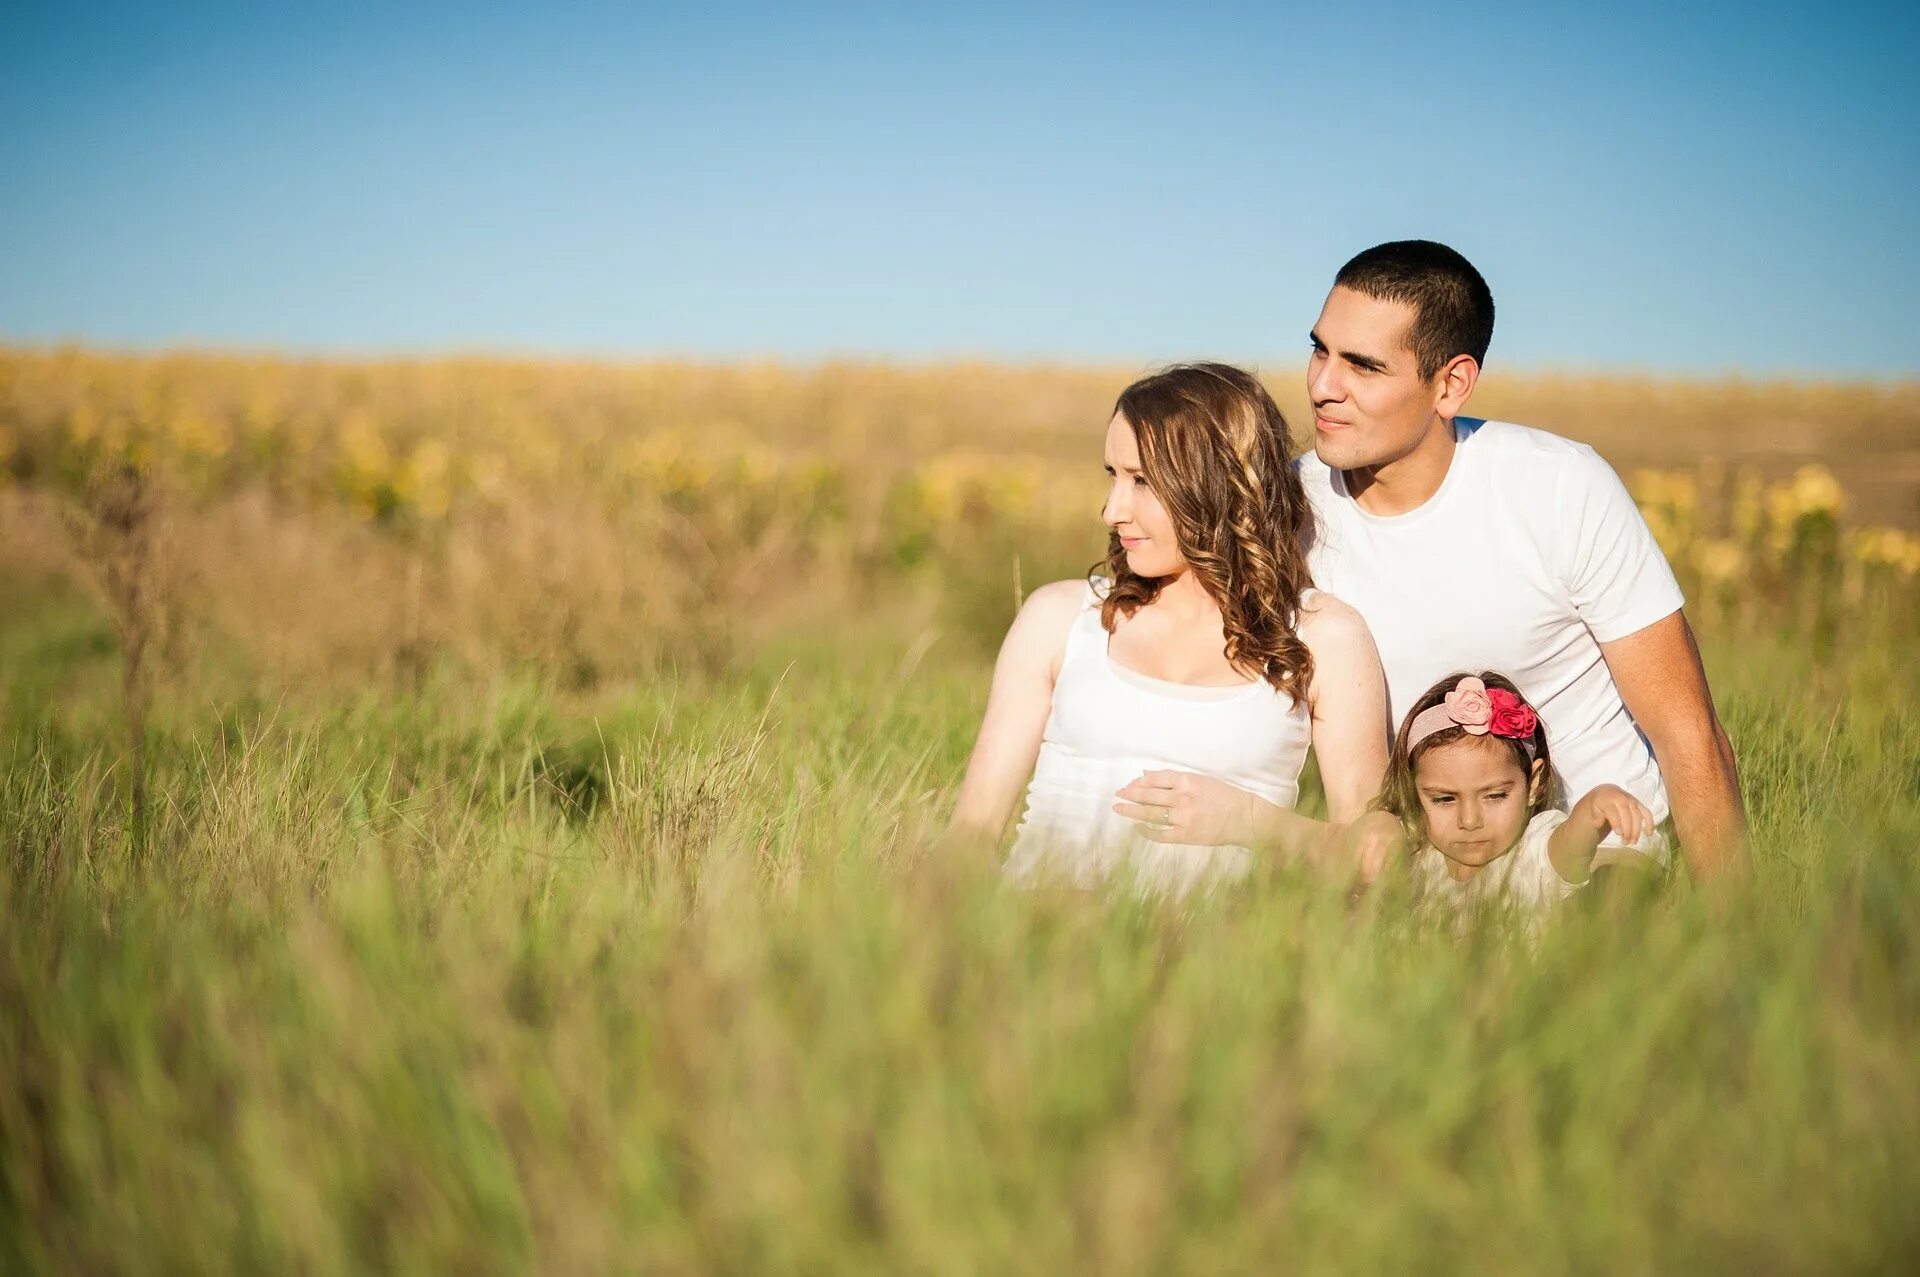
(1057, 598)
(1047, 614)
(1327, 621)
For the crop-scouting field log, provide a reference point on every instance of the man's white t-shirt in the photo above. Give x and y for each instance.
(1529, 556)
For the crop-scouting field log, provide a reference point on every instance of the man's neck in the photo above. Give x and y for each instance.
(1408, 481)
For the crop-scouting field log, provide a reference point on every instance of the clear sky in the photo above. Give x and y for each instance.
(1676, 187)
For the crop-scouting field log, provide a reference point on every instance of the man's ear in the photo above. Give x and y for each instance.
(1455, 384)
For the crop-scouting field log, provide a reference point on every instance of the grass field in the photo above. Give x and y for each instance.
(478, 817)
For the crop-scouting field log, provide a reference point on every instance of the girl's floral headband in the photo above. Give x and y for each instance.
(1478, 710)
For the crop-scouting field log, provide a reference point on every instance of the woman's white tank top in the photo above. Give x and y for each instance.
(1108, 724)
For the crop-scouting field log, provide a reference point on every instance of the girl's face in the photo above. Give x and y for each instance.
(1134, 512)
(1474, 797)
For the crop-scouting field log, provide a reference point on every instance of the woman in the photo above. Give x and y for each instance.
(1158, 715)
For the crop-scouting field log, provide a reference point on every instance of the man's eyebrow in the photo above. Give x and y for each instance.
(1367, 362)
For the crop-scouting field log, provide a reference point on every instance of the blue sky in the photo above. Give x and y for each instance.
(1668, 187)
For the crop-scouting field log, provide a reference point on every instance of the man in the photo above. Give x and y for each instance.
(1469, 544)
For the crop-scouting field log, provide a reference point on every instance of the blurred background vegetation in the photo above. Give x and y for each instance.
(476, 815)
(612, 520)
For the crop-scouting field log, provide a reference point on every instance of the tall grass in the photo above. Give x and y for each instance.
(563, 946)
(669, 981)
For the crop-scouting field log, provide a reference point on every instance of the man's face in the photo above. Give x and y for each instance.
(1370, 404)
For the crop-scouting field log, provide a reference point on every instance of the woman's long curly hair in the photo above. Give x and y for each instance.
(1214, 449)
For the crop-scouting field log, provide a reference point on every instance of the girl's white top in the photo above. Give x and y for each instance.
(1109, 724)
(1524, 877)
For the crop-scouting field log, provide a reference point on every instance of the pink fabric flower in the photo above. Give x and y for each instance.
(1469, 706)
(1511, 716)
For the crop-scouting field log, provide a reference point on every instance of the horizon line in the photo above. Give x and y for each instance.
(424, 353)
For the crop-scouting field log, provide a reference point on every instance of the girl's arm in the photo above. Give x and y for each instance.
(1017, 706)
(1348, 701)
(1605, 809)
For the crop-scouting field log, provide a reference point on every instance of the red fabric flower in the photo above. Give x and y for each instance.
(1512, 716)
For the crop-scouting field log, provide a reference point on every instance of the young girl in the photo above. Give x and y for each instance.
(1472, 784)
(1157, 714)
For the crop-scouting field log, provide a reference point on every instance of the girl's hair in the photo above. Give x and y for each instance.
(1400, 795)
(1214, 448)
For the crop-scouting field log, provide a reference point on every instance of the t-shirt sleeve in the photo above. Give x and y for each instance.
(1616, 574)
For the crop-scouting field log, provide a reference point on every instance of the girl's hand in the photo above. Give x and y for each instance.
(1609, 807)
(1185, 807)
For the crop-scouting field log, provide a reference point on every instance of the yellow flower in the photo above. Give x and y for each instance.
(1719, 560)
(1676, 489)
(195, 435)
(424, 482)
(362, 446)
(259, 417)
(1749, 505)
(1816, 491)
(1886, 548)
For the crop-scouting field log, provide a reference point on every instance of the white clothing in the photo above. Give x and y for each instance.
(1108, 724)
(1524, 877)
(1529, 556)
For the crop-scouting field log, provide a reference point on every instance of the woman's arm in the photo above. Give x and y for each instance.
(1605, 809)
(1349, 694)
(1348, 701)
(1017, 706)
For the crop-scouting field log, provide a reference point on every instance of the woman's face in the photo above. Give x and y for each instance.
(1134, 512)
(1474, 797)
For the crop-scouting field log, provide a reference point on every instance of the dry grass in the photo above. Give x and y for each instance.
(542, 769)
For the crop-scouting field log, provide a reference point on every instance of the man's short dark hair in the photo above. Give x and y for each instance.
(1452, 305)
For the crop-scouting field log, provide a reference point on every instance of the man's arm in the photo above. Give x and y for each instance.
(1664, 685)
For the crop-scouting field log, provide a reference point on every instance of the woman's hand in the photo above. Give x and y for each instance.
(1375, 840)
(1185, 807)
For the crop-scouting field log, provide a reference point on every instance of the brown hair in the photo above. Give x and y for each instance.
(1215, 451)
(1452, 305)
(1401, 796)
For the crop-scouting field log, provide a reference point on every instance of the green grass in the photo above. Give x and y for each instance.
(664, 978)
